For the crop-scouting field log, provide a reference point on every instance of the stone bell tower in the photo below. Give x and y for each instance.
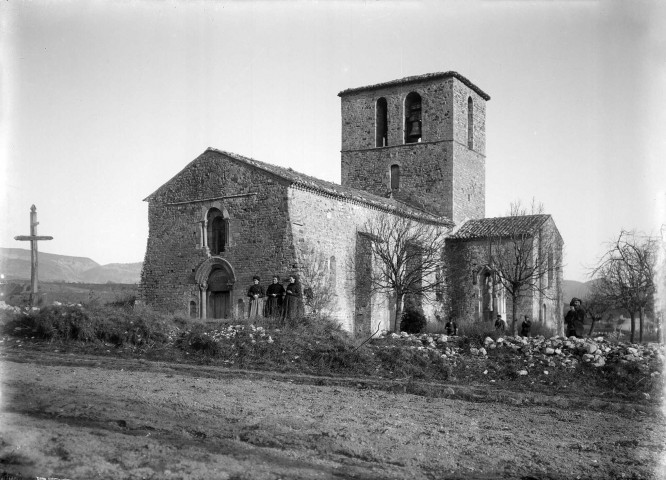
(421, 140)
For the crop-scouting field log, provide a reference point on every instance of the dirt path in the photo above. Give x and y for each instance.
(97, 417)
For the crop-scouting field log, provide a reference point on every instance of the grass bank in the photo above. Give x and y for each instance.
(320, 347)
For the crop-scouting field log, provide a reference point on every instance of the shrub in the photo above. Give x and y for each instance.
(118, 326)
(61, 322)
(137, 327)
(413, 321)
(200, 340)
(125, 301)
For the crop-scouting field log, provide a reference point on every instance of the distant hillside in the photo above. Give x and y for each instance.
(572, 288)
(15, 264)
(113, 272)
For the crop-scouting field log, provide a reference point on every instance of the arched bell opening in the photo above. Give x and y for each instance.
(413, 120)
(381, 123)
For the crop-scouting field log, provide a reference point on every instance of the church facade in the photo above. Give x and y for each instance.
(413, 148)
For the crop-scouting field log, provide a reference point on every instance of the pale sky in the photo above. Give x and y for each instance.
(103, 102)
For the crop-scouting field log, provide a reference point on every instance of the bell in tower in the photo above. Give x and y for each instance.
(414, 132)
(413, 118)
(418, 124)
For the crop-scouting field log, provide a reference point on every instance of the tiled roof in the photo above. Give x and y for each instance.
(500, 227)
(300, 180)
(418, 78)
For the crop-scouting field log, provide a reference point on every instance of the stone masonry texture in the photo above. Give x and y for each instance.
(276, 217)
(440, 173)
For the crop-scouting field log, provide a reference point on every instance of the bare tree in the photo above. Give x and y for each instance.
(626, 275)
(317, 275)
(527, 259)
(523, 262)
(596, 305)
(408, 258)
(517, 209)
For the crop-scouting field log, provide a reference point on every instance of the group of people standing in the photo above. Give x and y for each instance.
(276, 301)
(573, 321)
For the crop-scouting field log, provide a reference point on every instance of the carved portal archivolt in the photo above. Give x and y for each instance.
(215, 278)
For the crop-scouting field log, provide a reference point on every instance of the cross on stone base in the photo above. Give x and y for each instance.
(33, 238)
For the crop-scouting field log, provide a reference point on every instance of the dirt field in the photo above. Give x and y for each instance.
(85, 417)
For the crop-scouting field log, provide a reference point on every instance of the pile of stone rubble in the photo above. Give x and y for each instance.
(8, 308)
(554, 351)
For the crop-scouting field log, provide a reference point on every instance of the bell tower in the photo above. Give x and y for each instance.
(420, 140)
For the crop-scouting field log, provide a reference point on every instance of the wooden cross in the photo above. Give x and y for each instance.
(33, 238)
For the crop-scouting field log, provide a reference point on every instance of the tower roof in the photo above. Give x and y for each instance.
(417, 79)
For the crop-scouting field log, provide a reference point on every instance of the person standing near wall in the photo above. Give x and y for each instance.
(256, 295)
(293, 299)
(274, 294)
(500, 324)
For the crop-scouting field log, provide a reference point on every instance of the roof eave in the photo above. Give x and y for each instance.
(417, 79)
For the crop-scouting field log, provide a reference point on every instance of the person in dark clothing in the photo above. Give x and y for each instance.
(575, 319)
(274, 294)
(451, 327)
(500, 324)
(526, 327)
(293, 299)
(256, 294)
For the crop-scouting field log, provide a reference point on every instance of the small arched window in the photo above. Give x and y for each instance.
(470, 123)
(194, 311)
(395, 177)
(413, 124)
(381, 123)
(218, 231)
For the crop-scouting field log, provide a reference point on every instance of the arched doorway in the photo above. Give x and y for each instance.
(216, 279)
(219, 294)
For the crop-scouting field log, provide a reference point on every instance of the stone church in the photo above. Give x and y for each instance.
(413, 147)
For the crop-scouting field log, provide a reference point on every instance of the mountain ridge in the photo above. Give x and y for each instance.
(53, 267)
(15, 264)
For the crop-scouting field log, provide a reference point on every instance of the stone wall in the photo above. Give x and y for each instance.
(331, 225)
(336, 227)
(270, 224)
(440, 172)
(358, 113)
(461, 94)
(551, 299)
(469, 184)
(465, 258)
(259, 234)
(426, 173)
